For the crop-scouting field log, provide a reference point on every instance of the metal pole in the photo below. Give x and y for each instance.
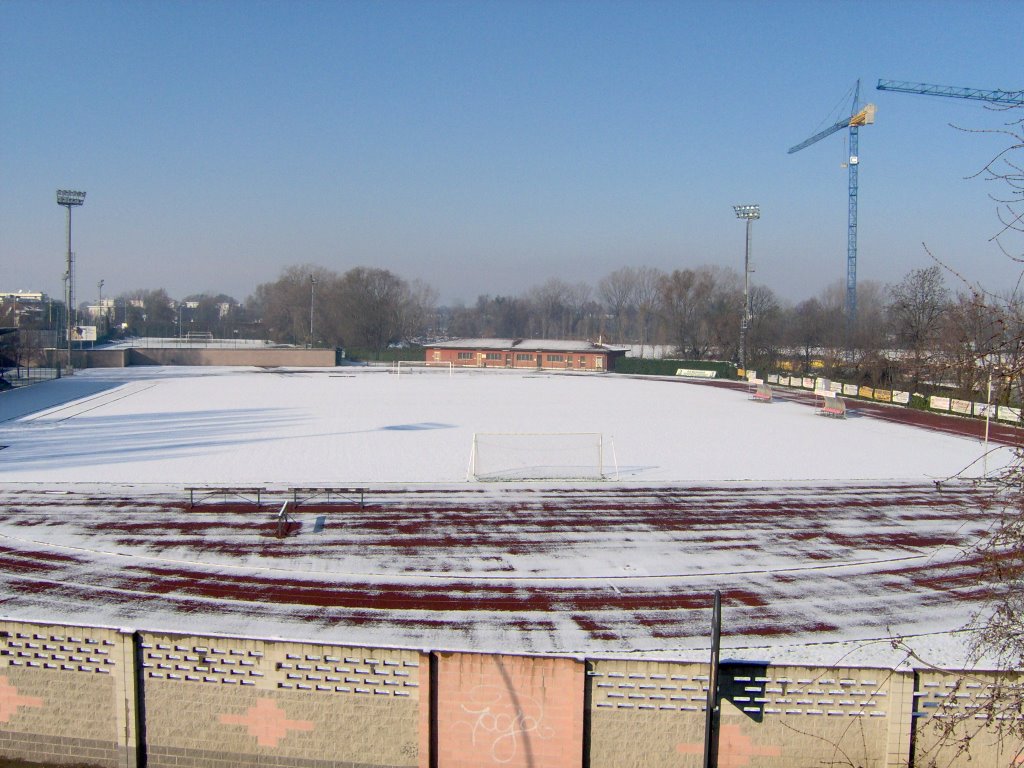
(711, 709)
(312, 287)
(746, 300)
(748, 213)
(988, 412)
(68, 199)
(68, 290)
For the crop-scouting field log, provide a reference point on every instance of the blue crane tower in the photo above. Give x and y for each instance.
(1009, 98)
(859, 116)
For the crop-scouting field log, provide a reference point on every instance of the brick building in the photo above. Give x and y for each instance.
(525, 353)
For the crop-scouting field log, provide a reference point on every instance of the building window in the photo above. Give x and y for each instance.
(465, 355)
(556, 358)
(522, 356)
(492, 356)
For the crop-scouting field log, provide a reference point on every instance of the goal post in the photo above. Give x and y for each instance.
(512, 456)
(421, 366)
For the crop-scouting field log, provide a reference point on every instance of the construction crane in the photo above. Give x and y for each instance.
(859, 116)
(1009, 98)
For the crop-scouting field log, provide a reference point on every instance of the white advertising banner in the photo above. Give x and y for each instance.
(773, 378)
(850, 390)
(938, 403)
(808, 382)
(836, 386)
(903, 398)
(1006, 413)
(985, 409)
(963, 407)
(784, 381)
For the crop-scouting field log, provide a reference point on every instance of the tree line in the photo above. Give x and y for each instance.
(916, 334)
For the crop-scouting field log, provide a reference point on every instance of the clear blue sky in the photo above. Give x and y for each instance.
(487, 146)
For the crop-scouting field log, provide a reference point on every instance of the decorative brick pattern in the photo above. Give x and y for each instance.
(11, 700)
(955, 706)
(646, 714)
(269, 703)
(267, 722)
(70, 694)
(648, 686)
(74, 650)
(61, 694)
(318, 668)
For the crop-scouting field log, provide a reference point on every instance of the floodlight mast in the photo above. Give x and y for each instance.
(749, 213)
(312, 294)
(69, 199)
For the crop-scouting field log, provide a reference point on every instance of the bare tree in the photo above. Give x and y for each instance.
(919, 303)
(550, 301)
(994, 331)
(646, 298)
(618, 292)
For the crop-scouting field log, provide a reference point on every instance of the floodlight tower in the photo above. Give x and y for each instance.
(69, 199)
(749, 213)
(312, 294)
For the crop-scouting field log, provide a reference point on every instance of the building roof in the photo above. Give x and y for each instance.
(545, 345)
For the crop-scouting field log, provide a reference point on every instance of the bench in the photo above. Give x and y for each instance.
(209, 492)
(306, 493)
(833, 406)
(762, 394)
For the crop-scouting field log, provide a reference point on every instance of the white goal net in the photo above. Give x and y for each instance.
(510, 456)
(420, 366)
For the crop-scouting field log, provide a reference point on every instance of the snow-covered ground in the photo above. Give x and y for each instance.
(826, 536)
(230, 426)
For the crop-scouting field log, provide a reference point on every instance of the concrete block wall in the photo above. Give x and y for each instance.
(941, 730)
(653, 714)
(63, 697)
(646, 714)
(189, 355)
(122, 698)
(217, 702)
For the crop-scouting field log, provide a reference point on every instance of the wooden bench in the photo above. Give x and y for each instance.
(307, 493)
(833, 406)
(209, 492)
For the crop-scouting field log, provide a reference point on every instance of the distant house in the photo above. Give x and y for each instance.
(550, 354)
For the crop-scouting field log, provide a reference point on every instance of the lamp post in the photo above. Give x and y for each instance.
(100, 314)
(749, 213)
(312, 289)
(69, 199)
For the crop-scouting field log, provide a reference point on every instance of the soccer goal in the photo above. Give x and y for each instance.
(423, 366)
(511, 456)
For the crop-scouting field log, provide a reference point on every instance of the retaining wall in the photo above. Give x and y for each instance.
(122, 699)
(268, 358)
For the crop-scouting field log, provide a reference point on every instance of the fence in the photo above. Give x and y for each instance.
(21, 376)
(117, 697)
(1004, 413)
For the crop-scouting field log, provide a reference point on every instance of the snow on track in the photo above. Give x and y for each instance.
(825, 537)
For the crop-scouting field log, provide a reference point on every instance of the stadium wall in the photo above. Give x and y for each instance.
(120, 358)
(122, 699)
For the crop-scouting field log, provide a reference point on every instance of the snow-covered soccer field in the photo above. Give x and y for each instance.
(827, 537)
(358, 425)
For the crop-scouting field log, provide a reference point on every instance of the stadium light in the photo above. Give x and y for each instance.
(312, 289)
(750, 213)
(69, 199)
